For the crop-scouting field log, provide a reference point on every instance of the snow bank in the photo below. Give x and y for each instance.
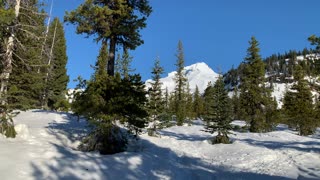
(22, 131)
(48, 152)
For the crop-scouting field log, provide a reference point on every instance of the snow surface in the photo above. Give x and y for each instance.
(45, 149)
(199, 74)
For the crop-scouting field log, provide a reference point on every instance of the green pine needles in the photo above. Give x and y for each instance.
(218, 111)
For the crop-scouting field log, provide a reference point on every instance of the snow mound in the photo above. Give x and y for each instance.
(22, 131)
(198, 74)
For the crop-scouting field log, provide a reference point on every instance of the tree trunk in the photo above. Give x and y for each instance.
(111, 59)
(7, 61)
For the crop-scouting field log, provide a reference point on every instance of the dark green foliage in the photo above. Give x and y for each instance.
(236, 106)
(123, 64)
(189, 105)
(179, 91)
(218, 111)
(197, 103)
(117, 22)
(255, 98)
(107, 99)
(26, 83)
(107, 139)
(298, 105)
(7, 125)
(156, 104)
(57, 78)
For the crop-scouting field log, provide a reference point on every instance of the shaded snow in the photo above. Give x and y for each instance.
(45, 150)
(199, 74)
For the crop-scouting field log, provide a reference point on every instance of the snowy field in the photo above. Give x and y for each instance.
(45, 149)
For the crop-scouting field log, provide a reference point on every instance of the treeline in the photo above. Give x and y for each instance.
(252, 82)
(33, 60)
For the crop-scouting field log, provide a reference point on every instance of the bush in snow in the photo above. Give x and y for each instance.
(7, 125)
(107, 139)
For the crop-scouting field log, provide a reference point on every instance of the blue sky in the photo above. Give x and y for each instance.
(212, 31)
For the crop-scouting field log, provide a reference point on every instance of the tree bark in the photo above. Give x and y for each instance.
(7, 61)
(111, 59)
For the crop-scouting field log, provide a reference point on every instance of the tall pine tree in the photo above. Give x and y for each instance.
(218, 111)
(254, 96)
(298, 105)
(56, 77)
(156, 103)
(180, 82)
(197, 103)
(116, 22)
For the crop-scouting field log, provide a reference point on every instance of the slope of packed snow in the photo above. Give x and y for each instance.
(45, 149)
(199, 74)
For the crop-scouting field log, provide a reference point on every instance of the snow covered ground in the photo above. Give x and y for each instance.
(45, 149)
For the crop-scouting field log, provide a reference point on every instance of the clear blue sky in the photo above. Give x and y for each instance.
(212, 31)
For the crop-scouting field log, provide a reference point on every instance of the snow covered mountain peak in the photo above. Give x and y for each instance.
(198, 74)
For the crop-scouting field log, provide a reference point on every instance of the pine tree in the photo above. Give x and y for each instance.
(56, 77)
(236, 106)
(156, 104)
(107, 99)
(117, 22)
(298, 105)
(26, 84)
(189, 104)
(218, 115)
(254, 95)
(181, 82)
(123, 64)
(197, 103)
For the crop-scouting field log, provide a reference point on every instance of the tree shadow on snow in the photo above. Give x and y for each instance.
(187, 137)
(151, 162)
(307, 146)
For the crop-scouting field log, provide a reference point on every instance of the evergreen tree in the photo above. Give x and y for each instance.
(254, 95)
(117, 22)
(56, 77)
(236, 106)
(218, 115)
(107, 99)
(189, 105)
(123, 64)
(156, 104)
(26, 84)
(298, 105)
(197, 103)
(181, 82)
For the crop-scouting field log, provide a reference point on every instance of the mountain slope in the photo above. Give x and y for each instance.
(199, 74)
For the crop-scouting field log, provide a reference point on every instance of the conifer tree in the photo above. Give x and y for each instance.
(26, 83)
(236, 107)
(197, 103)
(189, 104)
(298, 105)
(123, 64)
(156, 103)
(254, 95)
(56, 77)
(180, 82)
(218, 115)
(116, 22)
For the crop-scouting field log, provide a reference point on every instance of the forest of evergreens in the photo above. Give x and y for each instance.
(34, 76)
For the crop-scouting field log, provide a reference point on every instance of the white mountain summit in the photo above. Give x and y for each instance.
(199, 74)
